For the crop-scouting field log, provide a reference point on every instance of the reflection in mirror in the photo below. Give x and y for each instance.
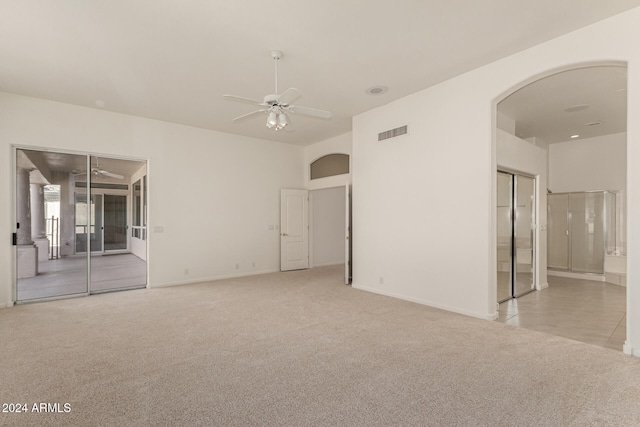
(504, 237)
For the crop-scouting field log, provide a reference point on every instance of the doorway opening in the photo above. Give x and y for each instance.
(315, 229)
(568, 128)
(81, 224)
(330, 226)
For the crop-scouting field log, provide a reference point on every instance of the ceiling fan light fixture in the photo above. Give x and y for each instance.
(282, 121)
(272, 120)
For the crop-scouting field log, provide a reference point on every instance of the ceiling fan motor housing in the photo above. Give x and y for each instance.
(271, 99)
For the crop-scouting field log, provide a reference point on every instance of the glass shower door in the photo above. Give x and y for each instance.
(558, 231)
(587, 232)
(524, 236)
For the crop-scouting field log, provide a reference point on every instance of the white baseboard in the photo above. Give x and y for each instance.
(327, 264)
(541, 286)
(627, 349)
(193, 280)
(572, 275)
(493, 316)
(619, 279)
(422, 302)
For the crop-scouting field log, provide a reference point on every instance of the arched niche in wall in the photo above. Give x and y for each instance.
(330, 165)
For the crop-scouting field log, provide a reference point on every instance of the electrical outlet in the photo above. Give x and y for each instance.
(186, 271)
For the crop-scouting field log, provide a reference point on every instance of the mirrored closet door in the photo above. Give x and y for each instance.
(515, 235)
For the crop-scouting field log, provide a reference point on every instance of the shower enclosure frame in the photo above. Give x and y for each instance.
(607, 215)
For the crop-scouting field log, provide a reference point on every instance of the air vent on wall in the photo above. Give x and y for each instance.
(402, 130)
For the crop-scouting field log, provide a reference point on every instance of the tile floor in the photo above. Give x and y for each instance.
(68, 276)
(582, 310)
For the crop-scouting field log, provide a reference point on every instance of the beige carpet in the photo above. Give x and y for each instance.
(298, 349)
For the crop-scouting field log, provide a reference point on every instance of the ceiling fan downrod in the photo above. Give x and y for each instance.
(276, 55)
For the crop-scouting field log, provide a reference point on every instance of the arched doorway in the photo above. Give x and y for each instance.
(567, 128)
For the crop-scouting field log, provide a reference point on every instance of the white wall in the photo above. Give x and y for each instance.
(424, 204)
(327, 226)
(517, 155)
(505, 123)
(589, 164)
(214, 195)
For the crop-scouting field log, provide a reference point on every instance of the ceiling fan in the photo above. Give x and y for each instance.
(98, 172)
(277, 106)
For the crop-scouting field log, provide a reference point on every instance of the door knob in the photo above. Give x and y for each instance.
(284, 234)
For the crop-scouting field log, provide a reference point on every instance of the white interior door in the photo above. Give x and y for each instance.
(294, 229)
(347, 233)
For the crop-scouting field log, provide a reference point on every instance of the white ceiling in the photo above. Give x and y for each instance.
(587, 102)
(173, 60)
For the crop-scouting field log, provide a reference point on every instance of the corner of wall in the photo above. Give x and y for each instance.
(629, 350)
(541, 286)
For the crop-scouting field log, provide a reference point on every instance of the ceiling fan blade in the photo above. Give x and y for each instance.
(312, 112)
(110, 174)
(248, 115)
(242, 100)
(288, 96)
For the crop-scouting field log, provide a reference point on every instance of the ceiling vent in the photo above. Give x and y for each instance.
(402, 130)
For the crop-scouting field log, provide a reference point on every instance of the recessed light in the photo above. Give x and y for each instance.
(576, 108)
(377, 90)
(574, 136)
(593, 123)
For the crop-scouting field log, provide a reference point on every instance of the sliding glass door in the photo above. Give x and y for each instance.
(115, 222)
(89, 223)
(73, 234)
(115, 263)
(105, 225)
(49, 229)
